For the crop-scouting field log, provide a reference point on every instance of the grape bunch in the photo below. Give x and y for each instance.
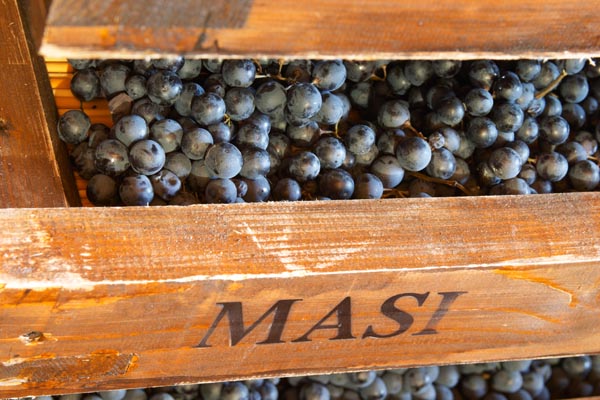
(570, 377)
(223, 131)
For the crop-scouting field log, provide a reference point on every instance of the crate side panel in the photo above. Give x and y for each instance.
(348, 29)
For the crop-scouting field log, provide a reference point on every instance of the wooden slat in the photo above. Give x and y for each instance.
(127, 297)
(34, 169)
(315, 28)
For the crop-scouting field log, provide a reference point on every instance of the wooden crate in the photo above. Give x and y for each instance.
(111, 298)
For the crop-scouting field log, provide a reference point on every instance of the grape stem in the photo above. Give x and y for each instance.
(408, 126)
(446, 182)
(551, 86)
(394, 193)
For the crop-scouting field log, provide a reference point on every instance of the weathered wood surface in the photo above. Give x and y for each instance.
(315, 28)
(34, 168)
(132, 297)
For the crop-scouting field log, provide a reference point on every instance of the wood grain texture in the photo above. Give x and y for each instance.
(145, 286)
(34, 169)
(323, 29)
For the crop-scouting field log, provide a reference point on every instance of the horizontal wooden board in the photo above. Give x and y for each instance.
(165, 295)
(323, 29)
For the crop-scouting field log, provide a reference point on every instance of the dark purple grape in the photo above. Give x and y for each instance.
(190, 69)
(359, 71)
(552, 166)
(252, 135)
(584, 175)
(329, 74)
(528, 70)
(446, 68)
(418, 71)
(482, 132)
(136, 190)
(571, 66)
(172, 64)
(413, 154)
(451, 111)
(147, 157)
(165, 184)
(482, 73)
(224, 160)
(304, 166)
(256, 163)
(395, 78)
(195, 143)
(111, 157)
(81, 64)
(135, 86)
(331, 111)
(73, 126)
(131, 128)
(330, 151)
(164, 87)
(574, 88)
(336, 184)
(575, 115)
(239, 103)
(183, 103)
(259, 190)
(573, 152)
(179, 164)
(508, 117)
(84, 160)
(505, 163)
(529, 130)
(393, 114)
(102, 191)
(508, 87)
(553, 107)
(548, 73)
(359, 139)
(112, 79)
(270, 97)
(554, 130)
(213, 65)
(442, 164)
(168, 133)
(387, 168)
(208, 109)
(478, 102)
(238, 73)
(304, 135)
(220, 191)
(367, 186)
(85, 84)
(287, 189)
(303, 100)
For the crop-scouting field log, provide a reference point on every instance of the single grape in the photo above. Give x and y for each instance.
(413, 154)
(393, 114)
(136, 190)
(111, 157)
(85, 84)
(329, 74)
(508, 86)
(256, 162)
(131, 128)
(179, 164)
(552, 166)
(270, 97)
(259, 190)
(239, 103)
(102, 190)
(208, 109)
(224, 160)
(330, 151)
(418, 71)
(574, 88)
(331, 111)
(73, 126)
(220, 191)
(528, 70)
(164, 87)
(482, 132)
(387, 168)
(190, 69)
(555, 129)
(287, 189)
(238, 73)
(147, 157)
(336, 184)
(112, 79)
(584, 175)
(303, 100)
(442, 164)
(165, 184)
(505, 163)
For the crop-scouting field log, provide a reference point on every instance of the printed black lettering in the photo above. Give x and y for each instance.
(237, 332)
(404, 319)
(343, 312)
(447, 299)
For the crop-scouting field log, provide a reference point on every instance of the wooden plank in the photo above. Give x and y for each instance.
(323, 29)
(158, 296)
(34, 167)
